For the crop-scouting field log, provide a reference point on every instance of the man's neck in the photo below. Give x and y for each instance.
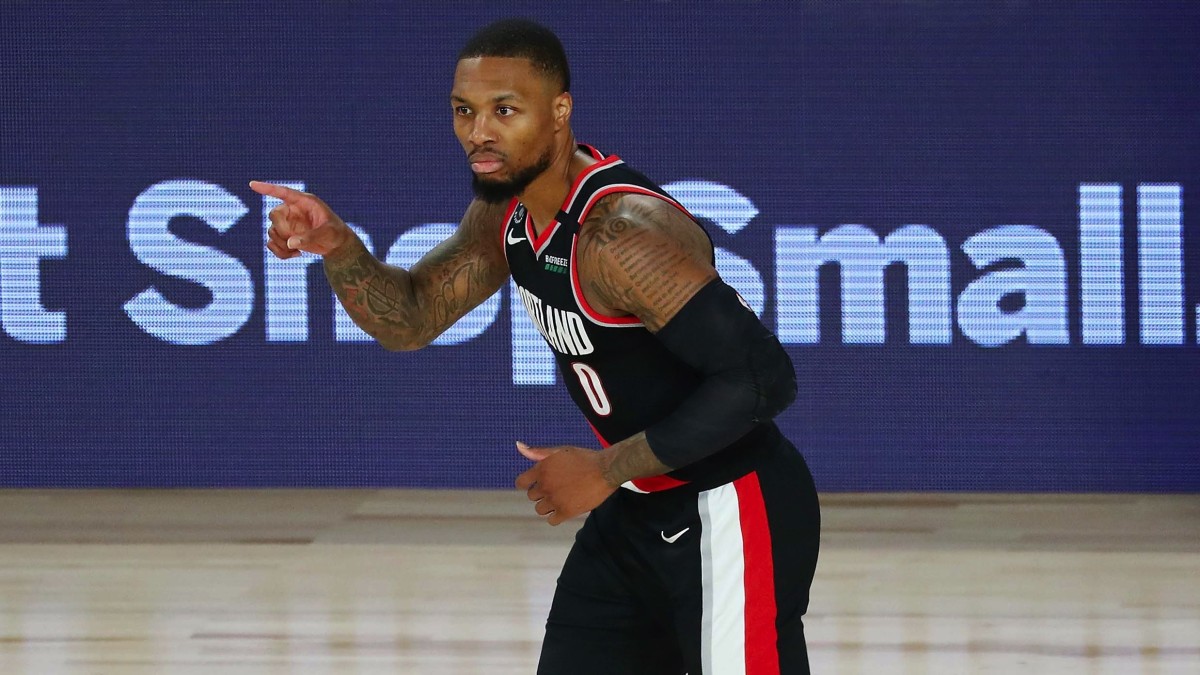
(545, 195)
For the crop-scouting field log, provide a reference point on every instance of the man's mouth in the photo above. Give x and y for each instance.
(485, 162)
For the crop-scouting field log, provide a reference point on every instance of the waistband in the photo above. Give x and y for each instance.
(734, 461)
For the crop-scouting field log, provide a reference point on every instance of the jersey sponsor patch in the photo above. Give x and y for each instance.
(553, 263)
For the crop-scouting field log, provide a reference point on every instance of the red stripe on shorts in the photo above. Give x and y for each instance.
(762, 650)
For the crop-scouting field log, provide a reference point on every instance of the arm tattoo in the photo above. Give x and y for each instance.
(408, 309)
(643, 256)
(631, 458)
(378, 299)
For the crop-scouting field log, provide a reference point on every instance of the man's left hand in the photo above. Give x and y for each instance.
(565, 482)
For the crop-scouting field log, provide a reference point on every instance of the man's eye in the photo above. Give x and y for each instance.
(462, 110)
(504, 111)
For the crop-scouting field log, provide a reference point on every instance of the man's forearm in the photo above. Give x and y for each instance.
(379, 298)
(631, 458)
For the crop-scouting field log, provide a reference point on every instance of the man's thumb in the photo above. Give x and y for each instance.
(533, 454)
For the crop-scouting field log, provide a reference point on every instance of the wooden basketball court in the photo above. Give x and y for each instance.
(439, 582)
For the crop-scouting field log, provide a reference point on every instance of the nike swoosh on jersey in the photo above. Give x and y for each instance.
(517, 240)
(671, 539)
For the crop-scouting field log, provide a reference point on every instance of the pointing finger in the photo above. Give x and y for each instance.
(287, 194)
(533, 454)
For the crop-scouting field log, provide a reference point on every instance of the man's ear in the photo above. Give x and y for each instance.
(562, 110)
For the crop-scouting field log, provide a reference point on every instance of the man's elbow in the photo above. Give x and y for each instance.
(396, 343)
(775, 380)
(776, 397)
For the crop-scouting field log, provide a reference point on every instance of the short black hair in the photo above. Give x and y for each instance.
(522, 38)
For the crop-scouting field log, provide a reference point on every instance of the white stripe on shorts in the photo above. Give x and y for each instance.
(723, 638)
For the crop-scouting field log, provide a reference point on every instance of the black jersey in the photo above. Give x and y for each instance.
(621, 377)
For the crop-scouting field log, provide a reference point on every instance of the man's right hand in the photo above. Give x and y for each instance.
(301, 223)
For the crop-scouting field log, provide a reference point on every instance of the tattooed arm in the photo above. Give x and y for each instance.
(401, 309)
(406, 310)
(640, 255)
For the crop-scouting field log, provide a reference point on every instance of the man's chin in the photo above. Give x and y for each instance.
(494, 191)
(498, 191)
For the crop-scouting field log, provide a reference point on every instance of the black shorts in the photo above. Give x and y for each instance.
(695, 579)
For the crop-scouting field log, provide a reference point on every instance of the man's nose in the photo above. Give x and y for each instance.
(482, 131)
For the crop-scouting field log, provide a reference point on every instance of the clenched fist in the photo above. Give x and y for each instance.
(301, 223)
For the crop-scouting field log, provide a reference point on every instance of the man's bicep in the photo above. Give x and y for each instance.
(645, 257)
(461, 272)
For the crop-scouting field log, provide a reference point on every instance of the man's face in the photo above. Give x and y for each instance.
(506, 114)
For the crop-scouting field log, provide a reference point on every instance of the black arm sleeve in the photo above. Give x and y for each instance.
(748, 377)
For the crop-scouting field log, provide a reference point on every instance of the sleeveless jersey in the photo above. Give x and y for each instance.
(621, 377)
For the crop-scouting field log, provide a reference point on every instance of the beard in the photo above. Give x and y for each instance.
(500, 191)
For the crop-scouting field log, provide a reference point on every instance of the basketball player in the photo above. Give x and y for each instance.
(701, 542)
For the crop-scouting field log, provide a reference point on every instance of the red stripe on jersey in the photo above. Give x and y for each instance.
(580, 299)
(538, 242)
(594, 152)
(584, 175)
(596, 317)
(762, 649)
(657, 483)
(650, 483)
(603, 443)
(512, 206)
(625, 187)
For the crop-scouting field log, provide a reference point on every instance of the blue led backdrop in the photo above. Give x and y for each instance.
(973, 225)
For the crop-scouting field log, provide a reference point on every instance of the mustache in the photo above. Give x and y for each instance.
(486, 151)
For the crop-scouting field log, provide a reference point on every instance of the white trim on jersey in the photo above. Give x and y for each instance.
(581, 302)
(593, 170)
(625, 188)
(628, 485)
(537, 252)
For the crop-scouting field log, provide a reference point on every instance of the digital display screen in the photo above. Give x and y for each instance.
(972, 225)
